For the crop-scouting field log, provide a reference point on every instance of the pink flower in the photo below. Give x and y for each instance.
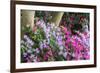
(72, 18)
(64, 29)
(49, 53)
(46, 56)
(87, 56)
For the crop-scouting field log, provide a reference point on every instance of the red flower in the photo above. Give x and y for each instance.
(72, 18)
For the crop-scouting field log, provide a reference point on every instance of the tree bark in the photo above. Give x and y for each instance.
(56, 17)
(27, 18)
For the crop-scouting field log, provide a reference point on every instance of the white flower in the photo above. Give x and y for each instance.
(35, 59)
(44, 41)
(25, 43)
(31, 42)
(29, 51)
(61, 48)
(53, 24)
(28, 40)
(28, 25)
(33, 49)
(58, 33)
(32, 56)
(55, 27)
(73, 54)
(65, 54)
(22, 46)
(24, 54)
(58, 29)
(37, 50)
(47, 35)
(22, 42)
(41, 45)
(25, 36)
(60, 52)
(48, 40)
(44, 27)
(48, 30)
(54, 33)
(42, 24)
(38, 23)
(28, 45)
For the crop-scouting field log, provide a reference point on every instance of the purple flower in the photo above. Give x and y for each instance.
(60, 42)
(41, 45)
(37, 50)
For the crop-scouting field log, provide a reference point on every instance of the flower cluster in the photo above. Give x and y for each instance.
(47, 42)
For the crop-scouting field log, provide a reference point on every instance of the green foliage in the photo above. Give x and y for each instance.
(40, 14)
(59, 58)
(53, 44)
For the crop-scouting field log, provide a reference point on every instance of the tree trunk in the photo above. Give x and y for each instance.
(27, 18)
(56, 17)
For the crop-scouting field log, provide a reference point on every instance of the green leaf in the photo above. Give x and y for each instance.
(59, 58)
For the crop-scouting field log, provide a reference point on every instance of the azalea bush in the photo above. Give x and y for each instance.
(48, 42)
